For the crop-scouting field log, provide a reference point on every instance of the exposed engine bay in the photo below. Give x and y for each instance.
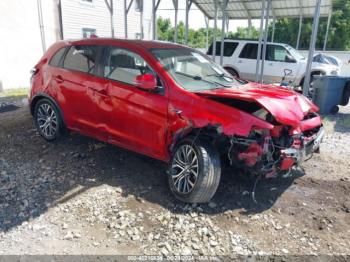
(269, 153)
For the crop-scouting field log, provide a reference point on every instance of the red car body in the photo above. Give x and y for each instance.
(151, 123)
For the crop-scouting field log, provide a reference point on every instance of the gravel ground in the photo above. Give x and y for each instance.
(81, 196)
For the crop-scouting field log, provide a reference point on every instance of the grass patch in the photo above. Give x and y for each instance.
(17, 92)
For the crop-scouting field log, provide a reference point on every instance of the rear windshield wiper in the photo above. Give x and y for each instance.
(199, 78)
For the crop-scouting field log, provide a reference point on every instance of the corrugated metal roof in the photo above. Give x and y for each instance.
(244, 9)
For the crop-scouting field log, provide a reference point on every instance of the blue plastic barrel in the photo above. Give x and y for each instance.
(328, 92)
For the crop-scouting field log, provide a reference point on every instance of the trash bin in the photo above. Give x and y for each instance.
(346, 94)
(328, 93)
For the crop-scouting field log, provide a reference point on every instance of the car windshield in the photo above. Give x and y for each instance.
(295, 53)
(194, 71)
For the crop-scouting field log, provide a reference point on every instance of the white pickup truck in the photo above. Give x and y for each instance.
(240, 60)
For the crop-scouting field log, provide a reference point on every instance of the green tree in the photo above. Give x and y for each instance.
(286, 31)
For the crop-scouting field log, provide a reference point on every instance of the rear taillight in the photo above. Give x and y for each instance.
(33, 71)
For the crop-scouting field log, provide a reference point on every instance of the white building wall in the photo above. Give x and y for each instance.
(20, 42)
(79, 14)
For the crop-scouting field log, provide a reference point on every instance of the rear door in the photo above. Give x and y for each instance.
(74, 94)
(246, 61)
(137, 119)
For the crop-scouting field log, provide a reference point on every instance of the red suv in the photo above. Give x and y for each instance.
(172, 103)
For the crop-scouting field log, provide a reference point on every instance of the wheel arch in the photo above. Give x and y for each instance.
(40, 96)
(233, 68)
(316, 70)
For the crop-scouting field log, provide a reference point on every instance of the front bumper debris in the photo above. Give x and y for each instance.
(308, 146)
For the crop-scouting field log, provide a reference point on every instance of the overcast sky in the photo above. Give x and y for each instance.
(196, 17)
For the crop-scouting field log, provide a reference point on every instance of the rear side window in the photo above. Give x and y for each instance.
(229, 48)
(249, 51)
(57, 58)
(81, 58)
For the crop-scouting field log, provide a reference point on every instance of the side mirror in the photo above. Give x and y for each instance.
(289, 59)
(146, 82)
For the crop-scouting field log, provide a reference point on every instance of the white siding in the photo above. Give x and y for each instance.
(20, 43)
(79, 14)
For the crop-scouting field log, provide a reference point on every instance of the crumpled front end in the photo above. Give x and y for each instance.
(269, 153)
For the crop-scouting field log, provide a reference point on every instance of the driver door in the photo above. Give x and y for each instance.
(277, 60)
(137, 118)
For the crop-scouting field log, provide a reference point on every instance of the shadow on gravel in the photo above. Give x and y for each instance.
(342, 122)
(37, 175)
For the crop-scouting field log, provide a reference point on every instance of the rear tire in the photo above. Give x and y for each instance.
(48, 120)
(346, 95)
(334, 110)
(194, 171)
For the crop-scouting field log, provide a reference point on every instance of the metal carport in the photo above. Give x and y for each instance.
(227, 10)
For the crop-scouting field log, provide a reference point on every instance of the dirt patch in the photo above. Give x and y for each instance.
(81, 196)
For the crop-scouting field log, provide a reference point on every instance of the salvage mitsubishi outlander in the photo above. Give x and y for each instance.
(172, 103)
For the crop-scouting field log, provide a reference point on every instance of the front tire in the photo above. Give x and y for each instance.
(195, 170)
(48, 120)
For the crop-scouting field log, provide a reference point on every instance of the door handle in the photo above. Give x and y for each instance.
(102, 92)
(240, 61)
(59, 79)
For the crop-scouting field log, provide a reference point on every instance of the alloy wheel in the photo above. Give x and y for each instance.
(47, 120)
(185, 169)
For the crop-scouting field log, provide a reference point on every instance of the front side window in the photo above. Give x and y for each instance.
(56, 59)
(229, 48)
(276, 53)
(192, 70)
(123, 65)
(81, 58)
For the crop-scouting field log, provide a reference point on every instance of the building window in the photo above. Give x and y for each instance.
(138, 5)
(137, 36)
(88, 32)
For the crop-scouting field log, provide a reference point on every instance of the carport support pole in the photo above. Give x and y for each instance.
(41, 25)
(215, 28)
(176, 7)
(207, 35)
(260, 40)
(299, 31)
(249, 27)
(188, 6)
(141, 20)
(126, 11)
(273, 29)
(327, 30)
(110, 9)
(223, 20)
(312, 48)
(265, 39)
(154, 20)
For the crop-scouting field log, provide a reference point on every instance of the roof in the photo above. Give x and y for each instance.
(147, 44)
(245, 9)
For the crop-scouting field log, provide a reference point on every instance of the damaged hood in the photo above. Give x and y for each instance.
(287, 107)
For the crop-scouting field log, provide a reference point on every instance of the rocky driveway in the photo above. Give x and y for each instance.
(80, 196)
